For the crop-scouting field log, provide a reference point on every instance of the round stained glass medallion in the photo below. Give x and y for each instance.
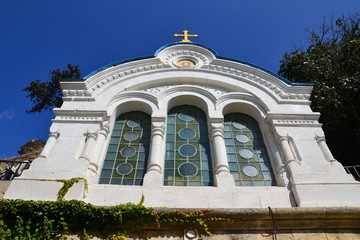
(242, 138)
(187, 150)
(250, 171)
(133, 123)
(240, 124)
(187, 133)
(131, 136)
(127, 152)
(188, 170)
(124, 169)
(187, 116)
(246, 153)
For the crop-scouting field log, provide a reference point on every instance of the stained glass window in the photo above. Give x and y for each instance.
(187, 157)
(126, 159)
(247, 156)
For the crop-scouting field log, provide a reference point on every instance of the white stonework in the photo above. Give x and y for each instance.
(306, 173)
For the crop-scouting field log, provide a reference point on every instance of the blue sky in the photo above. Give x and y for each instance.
(40, 35)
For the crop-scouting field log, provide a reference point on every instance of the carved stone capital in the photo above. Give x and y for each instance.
(158, 128)
(105, 128)
(319, 138)
(216, 130)
(283, 138)
(93, 135)
(54, 134)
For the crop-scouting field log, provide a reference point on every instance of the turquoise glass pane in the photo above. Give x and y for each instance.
(247, 156)
(126, 159)
(187, 156)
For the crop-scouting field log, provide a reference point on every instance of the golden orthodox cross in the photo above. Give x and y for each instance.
(186, 36)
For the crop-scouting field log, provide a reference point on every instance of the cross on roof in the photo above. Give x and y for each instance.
(186, 36)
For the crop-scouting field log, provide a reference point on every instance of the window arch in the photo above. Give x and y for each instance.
(126, 159)
(247, 156)
(187, 157)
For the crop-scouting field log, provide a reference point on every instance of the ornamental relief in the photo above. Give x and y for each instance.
(118, 75)
(157, 91)
(259, 80)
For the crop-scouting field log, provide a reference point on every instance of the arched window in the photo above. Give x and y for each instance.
(247, 156)
(187, 157)
(126, 159)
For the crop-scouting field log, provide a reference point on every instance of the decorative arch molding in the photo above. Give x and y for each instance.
(170, 92)
(127, 104)
(134, 95)
(241, 97)
(174, 99)
(208, 68)
(246, 107)
(238, 80)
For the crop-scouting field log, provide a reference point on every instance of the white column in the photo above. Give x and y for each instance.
(50, 144)
(153, 176)
(222, 173)
(270, 137)
(156, 152)
(95, 158)
(89, 146)
(218, 144)
(288, 155)
(279, 167)
(325, 149)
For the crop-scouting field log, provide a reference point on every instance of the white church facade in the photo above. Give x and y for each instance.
(187, 128)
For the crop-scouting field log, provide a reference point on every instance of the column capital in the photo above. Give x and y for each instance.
(319, 138)
(158, 128)
(54, 134)
(216, 130)
(283, 138)
(105, 128)
(93, 135)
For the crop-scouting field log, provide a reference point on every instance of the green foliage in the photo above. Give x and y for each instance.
(68, 183)
(47, 95)
(45, 220)
(332, 62)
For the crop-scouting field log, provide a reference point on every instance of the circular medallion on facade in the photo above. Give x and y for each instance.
(187, 133)
(187, 116)
(246, 153)
(127, 152)
(131, 136)
(133, 123)
(239, 124)
(242, 138)
(185, 63)
(188, 170)
(187, 150)
(124, 169)
(250, 171)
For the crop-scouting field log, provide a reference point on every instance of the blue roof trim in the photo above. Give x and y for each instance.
(200, 45)
(115, 64)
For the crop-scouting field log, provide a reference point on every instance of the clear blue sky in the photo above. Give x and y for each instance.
(39, 35)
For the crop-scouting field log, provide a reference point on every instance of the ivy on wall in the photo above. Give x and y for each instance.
(68, 183)
(30, 220)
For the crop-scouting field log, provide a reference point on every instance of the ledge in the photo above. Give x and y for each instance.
(283, 219)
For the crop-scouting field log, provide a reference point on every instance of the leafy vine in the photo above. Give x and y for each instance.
(68, 183)
(22, 219)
